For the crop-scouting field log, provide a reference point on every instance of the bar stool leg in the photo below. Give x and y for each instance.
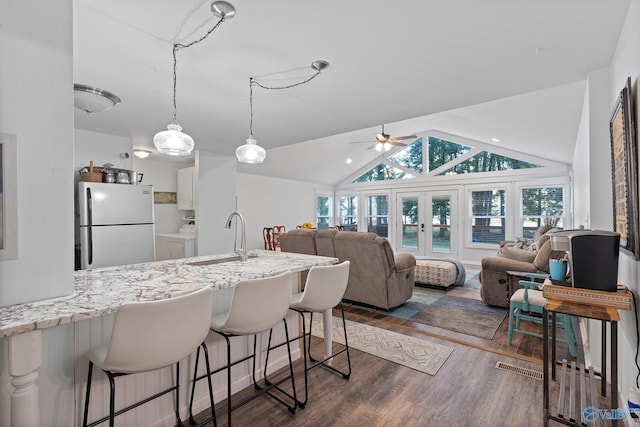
(86, 399)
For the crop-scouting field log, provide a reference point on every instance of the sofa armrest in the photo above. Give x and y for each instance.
(404, 261)
(495, 263)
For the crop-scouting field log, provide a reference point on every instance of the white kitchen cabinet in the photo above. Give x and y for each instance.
(174, 246)
(186, 188)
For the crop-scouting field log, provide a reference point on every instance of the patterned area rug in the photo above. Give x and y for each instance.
(415, 353)
(458, 309)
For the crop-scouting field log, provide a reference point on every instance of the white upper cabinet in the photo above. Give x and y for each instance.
(186, 189)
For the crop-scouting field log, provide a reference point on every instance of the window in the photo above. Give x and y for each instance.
(542, 207)
(410, 157)
(348, 212)
(324, 211)
(487, 216)
(441, 224)
(382, 172)
(442, 151)
(378, 215)
(488, 162)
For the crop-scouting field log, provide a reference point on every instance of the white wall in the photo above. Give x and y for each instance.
(626, 63)
(601, 216)
(581, 166)
(36, 105)
(266, 201)
(36, 80)
(163, 175)
(216, 199)
(101, 148)
(592, 174)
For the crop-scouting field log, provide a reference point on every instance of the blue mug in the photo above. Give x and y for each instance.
(558, 269)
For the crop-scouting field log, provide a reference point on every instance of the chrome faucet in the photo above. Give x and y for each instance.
(242, 251)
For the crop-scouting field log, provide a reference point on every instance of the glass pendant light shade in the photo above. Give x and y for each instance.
(250, 152)
(173, 141)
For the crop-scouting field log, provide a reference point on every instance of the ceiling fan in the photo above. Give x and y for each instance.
(384, 141)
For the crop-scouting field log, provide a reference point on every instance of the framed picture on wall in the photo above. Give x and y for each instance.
(624, 165)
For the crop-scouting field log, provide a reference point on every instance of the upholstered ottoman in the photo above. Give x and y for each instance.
(438, 273)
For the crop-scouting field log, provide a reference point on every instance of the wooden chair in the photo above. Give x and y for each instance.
(267, 234)
(526, 304)
(277, 231)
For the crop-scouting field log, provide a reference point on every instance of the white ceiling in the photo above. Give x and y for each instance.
(508, 69)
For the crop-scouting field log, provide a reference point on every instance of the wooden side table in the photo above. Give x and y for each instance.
(603, 313)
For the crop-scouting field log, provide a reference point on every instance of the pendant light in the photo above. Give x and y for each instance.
(251, 152)
(173, 141)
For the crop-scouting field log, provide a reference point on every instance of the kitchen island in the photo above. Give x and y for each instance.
(99, 293)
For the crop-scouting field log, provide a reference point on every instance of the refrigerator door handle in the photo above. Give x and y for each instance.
(89, 228)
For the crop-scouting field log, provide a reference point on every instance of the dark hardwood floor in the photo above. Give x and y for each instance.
(467, 391)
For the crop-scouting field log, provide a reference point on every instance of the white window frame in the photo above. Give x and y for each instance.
(330, 217)
(364, 216)
(338, 218)
(508, 204)
(566, 217)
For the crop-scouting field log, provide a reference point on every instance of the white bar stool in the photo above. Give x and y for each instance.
(256, 306)
(151, 335)
(324, 288)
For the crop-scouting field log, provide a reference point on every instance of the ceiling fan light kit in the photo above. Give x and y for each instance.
(384, 141)
(173, 141)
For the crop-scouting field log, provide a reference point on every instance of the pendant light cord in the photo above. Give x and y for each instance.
(180, 46)
(263, 86)
(253, 81)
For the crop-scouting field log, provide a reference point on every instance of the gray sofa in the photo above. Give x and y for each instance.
(377, 276)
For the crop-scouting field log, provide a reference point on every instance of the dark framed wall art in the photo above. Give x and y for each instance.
(624, 164)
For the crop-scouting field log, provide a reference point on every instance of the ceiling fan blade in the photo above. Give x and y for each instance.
(398, 144)
(399, 138)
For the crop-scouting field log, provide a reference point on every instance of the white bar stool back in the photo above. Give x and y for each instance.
(151, 335)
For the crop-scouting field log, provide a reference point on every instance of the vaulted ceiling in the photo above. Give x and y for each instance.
(513, 70)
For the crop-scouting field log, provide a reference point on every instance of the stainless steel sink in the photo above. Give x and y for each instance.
(218, 260)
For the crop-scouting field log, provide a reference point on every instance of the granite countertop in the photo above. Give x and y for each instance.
(101, 291)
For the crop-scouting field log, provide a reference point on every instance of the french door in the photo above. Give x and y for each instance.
(427, 223)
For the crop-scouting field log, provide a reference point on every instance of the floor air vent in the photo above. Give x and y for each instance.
(537, 375)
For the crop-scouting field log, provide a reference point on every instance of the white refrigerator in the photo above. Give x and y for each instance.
(116, 224)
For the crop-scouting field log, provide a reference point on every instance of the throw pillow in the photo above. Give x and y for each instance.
(517, 254)
(541, 261)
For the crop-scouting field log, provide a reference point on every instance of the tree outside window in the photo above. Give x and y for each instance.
(378, 215)
(348, 212)
(323, 212)
(542, 210)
